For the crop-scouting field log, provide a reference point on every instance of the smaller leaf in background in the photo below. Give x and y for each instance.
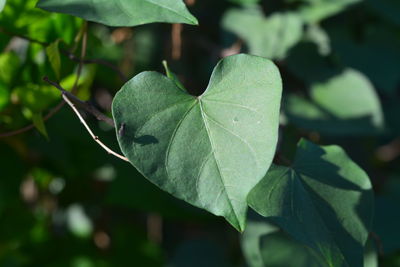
(317, 35)
(345, 104)
(85, 82)
(316, 10)
(2, 4)
(21, 17)
(377, 55)
(37, 119)
(4, 96)
(324, 200)
(271, 37)
(9, 65)
(349, 95)
(245, 2)
(53, 53)
(123, 12)
(34, 97)
(263, 244)
(250, 241)
(173, 76)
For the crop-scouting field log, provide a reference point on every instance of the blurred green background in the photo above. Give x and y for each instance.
(66, 202)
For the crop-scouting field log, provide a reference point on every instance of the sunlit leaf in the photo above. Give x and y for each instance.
(2, 4)
(53, 53)
(263, 244)
(317, 10)
(270, 37)
(22, 18)
(37, 120)
(208, 150)
(346, 104)
(324, 200)
(123, 12)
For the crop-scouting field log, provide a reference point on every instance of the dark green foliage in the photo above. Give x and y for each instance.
(282, 73)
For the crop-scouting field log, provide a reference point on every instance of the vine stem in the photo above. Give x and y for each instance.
(31, 126)
(100, 116)
(95, 138)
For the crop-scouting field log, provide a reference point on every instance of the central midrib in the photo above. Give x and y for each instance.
(216, 159)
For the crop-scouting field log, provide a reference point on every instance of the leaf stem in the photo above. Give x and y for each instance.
(91, 109)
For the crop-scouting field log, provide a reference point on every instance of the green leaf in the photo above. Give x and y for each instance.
(9, 65)
(173, 76)
(317, 35)
(381, 67)
(2, 4)
(263, 244)
(324, 200)
(270, 37)
(245, 2)
(22, 18)
(53, 53)
(34, 97)
(4, 96)
(209, 150)
(345, 104)
(123, 12)
(37, 120)
(317, 10)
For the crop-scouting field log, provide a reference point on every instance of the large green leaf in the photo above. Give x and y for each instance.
(345, 104)
(122, 12)
(324, 200)
(269, 37)
(209, 150)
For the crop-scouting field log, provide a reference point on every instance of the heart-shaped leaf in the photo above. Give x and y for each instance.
(271, 36)
(209, 150)
(123, 12)
(324, 200)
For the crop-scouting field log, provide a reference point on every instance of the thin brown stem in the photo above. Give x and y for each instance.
(70, 55)
(84, 105)
(51, 113)
(95, 138)
(82, 58)
(176, 41)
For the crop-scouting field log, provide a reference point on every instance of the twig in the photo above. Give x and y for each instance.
(70, 55)
(98, 62)
(82, 58)
(176, 41)
(84, 105)
(32, 126)
(95, 138)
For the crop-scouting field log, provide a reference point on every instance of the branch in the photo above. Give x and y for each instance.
(32, 126)
(66, 96)
(70, 55)
(84, 105)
